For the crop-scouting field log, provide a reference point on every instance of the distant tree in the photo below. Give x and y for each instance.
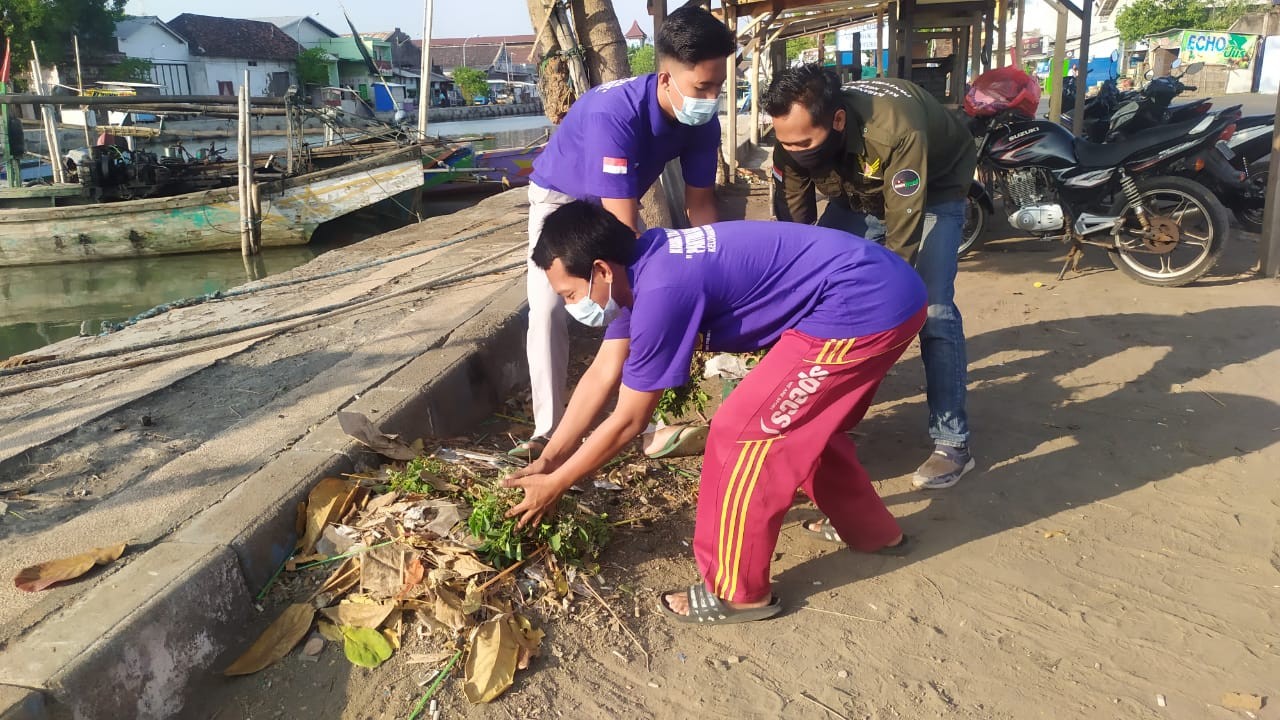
(641, 59)
(51, 23)
(313, 67)
(796, 45)
(1222, 17)
(471, 82)
(1144, 18)
(129, 70)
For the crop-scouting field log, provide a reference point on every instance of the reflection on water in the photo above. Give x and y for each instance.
(43, 304)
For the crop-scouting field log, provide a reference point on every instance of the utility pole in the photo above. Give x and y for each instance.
(424, 80)
(1269, 262)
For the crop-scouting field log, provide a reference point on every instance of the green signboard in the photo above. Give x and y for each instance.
(1214, 48)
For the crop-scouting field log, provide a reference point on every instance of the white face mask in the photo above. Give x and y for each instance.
(692, 111)
(588, 311)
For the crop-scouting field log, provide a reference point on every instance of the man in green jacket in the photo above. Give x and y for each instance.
(895, 166)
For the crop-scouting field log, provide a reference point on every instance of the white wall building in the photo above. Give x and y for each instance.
(223, 49)
(147, 38)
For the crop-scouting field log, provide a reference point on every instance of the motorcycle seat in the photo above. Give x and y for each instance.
(1098, 155)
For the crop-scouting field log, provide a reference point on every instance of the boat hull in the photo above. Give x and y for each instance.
(195, 222)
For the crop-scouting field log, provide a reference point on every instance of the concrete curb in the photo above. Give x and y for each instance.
(158, 630)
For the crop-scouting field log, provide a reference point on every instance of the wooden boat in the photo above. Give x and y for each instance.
(484, 169)
(292, 208)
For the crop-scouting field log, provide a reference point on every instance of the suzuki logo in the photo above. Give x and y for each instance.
(1023, 134)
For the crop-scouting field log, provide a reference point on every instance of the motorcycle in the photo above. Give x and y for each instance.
(1159, 229)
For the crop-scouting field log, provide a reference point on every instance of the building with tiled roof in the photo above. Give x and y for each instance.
(223, 49)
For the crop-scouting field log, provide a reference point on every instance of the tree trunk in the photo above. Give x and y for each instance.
(600, 36)
(553, 76)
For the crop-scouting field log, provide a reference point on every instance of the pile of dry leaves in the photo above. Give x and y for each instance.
(416, 549)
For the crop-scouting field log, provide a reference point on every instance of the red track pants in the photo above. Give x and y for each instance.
(784, 428)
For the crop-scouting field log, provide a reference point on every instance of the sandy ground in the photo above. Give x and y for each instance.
(1115, 555)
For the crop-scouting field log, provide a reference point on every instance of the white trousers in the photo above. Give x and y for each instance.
(547, 343)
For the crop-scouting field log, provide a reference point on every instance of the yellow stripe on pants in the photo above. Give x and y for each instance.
(740, 524)
(745, 458)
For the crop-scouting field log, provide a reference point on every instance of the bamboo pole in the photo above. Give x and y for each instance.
(88, 141)
(879, 63)
(1055, 69)
(1017, 37)
(563, 30)
(243, 160)
(731, 126)
(288, 129)
(424, 82)
(1002, 16)
(46, 116)
(12, 165)
(756, 49)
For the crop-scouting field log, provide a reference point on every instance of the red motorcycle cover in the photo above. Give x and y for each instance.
(1006, 88)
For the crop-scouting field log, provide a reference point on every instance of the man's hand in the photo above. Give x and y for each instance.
(542, 466)
(541, 495)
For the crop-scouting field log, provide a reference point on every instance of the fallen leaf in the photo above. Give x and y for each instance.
(275, 642)
(336, 540)
(447, 516)
(434, 658)
(382, 571)
(361, 615)
(342, 579)
(39, 577)
(468, 565)
(322, 504)
(365, 647)
(313, 646)
(1243, 701)
(530, 639)
(413, 574)
(381, 501)
(329, 631)
(20, 360)
(349, 503)
(1054, 533)
(473, 599)
(300, 522)
(359, 427)
(491, 660)
(448, 610)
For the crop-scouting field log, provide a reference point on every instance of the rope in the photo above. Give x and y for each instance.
(109, 327)
(290, 321)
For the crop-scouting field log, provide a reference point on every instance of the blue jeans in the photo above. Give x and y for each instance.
(942, 338)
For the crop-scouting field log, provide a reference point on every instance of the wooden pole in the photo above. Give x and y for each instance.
(988, 31)
(756, 48)
(242, 158)
(879, 63)
(1082, 67)
(12, 165)
(88, 140)
(288, 131)
(1002, 27)
(47, 119)
(731, 126)
(1055, 67)
(975, 47)
(906, 28)
(563, 30)
(1269, 262)
(1017, 37)
(424, 82)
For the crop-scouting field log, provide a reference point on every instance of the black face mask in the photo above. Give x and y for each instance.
(821, 155)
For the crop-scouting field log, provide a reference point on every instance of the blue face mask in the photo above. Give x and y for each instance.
(588, 311)
(692, 111)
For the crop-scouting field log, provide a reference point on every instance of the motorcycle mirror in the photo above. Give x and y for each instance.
(1177, 63)
(1193, 68)
(1115, 56)
(1149, 74)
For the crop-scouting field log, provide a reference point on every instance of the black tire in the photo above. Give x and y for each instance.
(1198, 211)
(975, 222)
(1251, 219)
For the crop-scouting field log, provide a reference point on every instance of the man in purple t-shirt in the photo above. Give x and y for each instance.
(836, 312)
(609, 150)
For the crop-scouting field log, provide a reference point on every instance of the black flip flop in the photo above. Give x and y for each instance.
(828, 533)
(707, 609)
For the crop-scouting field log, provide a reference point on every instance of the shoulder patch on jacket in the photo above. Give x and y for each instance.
(906, 182)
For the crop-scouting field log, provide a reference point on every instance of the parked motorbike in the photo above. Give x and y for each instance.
(1159, 229)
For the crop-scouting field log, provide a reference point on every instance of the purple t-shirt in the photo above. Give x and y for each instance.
(742, 284)
(615, 141)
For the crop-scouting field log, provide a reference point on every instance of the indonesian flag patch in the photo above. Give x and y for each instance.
(615, 166)
(777, 173)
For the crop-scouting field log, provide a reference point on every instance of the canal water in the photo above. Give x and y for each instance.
(43, 304)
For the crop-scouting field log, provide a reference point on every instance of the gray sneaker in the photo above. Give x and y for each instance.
(944, 468)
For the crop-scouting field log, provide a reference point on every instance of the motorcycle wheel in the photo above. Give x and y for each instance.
(1251, 218)
(1197, 220)
(975, 221)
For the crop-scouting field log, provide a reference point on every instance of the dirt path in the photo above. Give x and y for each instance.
(1117, 548)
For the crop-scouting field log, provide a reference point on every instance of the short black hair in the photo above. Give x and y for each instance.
(692, 34)
(811, 85)
(580, 233)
